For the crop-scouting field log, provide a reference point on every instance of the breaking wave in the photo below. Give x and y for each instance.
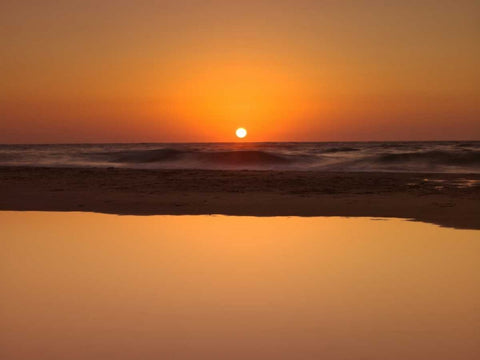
(243, 157)
(457, 157)
(434, 157)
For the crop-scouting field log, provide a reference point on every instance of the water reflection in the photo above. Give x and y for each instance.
(91, 286)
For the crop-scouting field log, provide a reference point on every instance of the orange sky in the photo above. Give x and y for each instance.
(303, 70)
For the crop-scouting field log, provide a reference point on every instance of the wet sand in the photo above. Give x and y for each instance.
(451, 200)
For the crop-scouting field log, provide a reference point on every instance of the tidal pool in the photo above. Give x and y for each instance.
(93, 286)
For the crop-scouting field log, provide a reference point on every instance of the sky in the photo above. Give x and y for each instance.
(305, 70)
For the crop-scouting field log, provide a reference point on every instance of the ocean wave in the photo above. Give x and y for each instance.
(344, 157)
(243, 157)
(434, 157)
(339, 149)
(240, 157)
(146, 156)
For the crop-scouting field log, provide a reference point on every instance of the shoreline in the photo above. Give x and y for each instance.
(444, 199)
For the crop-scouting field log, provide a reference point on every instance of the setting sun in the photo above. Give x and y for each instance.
(241, 133)
(221, 165)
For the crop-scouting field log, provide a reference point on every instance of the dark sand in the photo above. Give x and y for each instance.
(443, 199)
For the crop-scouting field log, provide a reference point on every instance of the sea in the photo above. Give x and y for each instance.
(439, 157)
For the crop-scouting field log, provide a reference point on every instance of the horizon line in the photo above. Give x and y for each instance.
(232, 142)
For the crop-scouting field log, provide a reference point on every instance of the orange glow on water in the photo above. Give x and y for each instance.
(81, 285)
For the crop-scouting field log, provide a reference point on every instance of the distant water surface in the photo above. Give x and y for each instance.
(89, 286)
(443, 157)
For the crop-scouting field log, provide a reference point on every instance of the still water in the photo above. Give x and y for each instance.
(92, 286)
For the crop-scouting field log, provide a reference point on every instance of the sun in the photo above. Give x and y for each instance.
(241, 133)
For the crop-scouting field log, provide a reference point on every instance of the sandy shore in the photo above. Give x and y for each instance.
(445, 199)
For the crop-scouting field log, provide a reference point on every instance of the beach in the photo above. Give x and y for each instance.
(451, 200)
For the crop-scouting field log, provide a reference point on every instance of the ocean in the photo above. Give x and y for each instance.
(441, 157)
